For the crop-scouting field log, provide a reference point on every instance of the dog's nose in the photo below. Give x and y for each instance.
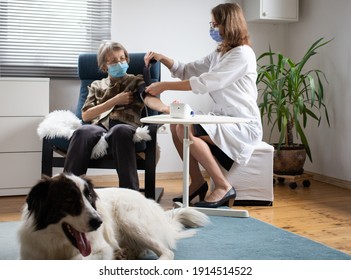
(95, 223)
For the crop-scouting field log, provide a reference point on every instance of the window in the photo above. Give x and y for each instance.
(42, 38)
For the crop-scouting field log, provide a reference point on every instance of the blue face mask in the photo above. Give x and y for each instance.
(118, 70)
(214, 33)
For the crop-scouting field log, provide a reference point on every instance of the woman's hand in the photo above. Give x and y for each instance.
(123, 98)
(159, 87)
(168, 62)
(151, 55)
(155, 88)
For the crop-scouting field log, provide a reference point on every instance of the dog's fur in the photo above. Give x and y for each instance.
(65, 218)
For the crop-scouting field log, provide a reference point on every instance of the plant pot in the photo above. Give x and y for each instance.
(289, 160)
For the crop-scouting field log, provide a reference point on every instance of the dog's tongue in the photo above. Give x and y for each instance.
(82, 243)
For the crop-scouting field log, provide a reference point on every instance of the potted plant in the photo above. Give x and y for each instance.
(291, 96)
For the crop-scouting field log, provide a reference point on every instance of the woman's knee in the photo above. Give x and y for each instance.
(121, 132)
(88, 131)
(177, 131)
(173, 127)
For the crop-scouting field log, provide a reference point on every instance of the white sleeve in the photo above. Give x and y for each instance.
(193, 69)
(233, 66)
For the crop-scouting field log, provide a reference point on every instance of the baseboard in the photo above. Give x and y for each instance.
(330, 180)
(114, 178)
(179, 175)
(169, 176)
(159, 176)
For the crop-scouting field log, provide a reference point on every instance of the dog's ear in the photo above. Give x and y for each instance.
(93, 196)
(38, 194)
(87, 179)
(89, 182)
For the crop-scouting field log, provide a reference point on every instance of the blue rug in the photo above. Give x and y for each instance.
(224, 239)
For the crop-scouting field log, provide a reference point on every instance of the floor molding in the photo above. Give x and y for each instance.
(179, 175)
(159, 176)
(330, 180)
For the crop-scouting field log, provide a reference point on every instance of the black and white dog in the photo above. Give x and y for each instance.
(65, 218)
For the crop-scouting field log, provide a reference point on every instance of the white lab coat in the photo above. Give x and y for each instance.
(230, 80)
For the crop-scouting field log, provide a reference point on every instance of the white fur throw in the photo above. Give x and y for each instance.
(59, 123)
(62, 123)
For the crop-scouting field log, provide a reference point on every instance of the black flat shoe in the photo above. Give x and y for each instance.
(228, 197)
(201, 192)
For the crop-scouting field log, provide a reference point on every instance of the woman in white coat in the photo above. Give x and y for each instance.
(228, 74)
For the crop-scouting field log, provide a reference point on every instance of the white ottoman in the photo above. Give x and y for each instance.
(254, 181)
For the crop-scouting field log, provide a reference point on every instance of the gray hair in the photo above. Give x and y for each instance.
(108, 47)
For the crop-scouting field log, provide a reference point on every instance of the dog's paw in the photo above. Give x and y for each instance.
(120, 254)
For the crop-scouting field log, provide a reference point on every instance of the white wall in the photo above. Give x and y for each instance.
(179, 29)
(330, 19)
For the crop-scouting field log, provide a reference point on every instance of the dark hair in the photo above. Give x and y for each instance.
(232, 26)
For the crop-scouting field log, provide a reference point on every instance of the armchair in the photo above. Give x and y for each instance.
(88, 72)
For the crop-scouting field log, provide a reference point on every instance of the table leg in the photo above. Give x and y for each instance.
(208, 211)
(186, 155)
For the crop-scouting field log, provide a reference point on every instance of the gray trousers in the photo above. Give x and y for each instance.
(121, 147)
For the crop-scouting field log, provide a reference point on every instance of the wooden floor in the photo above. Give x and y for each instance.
(321, 212)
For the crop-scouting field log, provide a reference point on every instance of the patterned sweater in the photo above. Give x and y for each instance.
(102, 90)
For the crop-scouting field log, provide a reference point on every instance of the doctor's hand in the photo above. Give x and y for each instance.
(151, 55)
(155, 88)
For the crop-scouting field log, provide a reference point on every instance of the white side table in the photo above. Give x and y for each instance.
(197, 119)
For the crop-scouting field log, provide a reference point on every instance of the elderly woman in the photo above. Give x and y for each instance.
(113, 107)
